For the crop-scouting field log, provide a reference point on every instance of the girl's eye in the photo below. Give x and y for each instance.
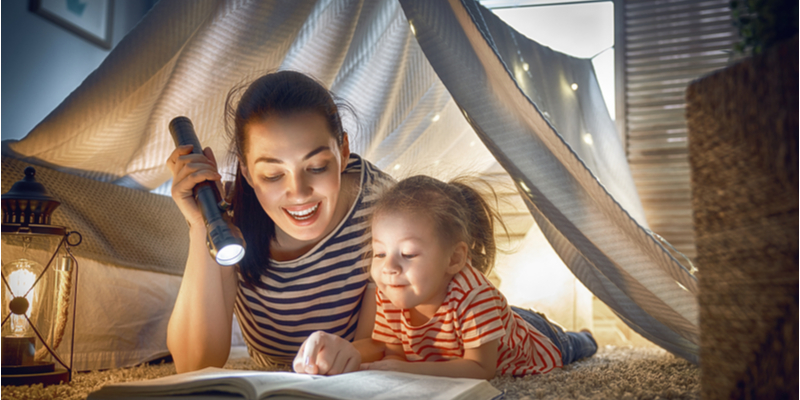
(379, 255)
(409, 255)
(273, 178)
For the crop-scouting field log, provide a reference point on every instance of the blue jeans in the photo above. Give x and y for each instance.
(573, 345)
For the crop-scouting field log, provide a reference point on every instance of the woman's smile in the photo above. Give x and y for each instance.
(303, 214)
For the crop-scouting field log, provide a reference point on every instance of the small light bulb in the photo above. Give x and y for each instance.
(574, 86)
(435, 118)
(472, 143)
(413, 31)
(230, 254)
(524, 187)
(587, 137)
(20, 282)
(525, 66)
(396, 167)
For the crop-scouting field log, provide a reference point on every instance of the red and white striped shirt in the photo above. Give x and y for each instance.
(474, 312)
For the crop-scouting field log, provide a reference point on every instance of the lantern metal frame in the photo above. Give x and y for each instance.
(30, 217)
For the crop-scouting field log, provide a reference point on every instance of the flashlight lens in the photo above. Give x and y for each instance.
(230, 254)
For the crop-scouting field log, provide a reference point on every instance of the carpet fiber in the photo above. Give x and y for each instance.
(624, 373)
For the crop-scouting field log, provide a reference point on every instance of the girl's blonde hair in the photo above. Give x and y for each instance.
(459, 211)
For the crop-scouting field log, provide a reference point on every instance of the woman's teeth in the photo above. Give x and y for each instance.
(305, 214)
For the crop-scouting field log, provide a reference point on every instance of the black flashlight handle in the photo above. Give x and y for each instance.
(220, 231)
(206, 193)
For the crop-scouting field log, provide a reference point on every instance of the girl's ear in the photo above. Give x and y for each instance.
(458, 259)
(345, 151)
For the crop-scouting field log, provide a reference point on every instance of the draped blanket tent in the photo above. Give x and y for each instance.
(426, 79)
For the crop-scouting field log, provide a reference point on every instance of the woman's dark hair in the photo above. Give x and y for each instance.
(460, 212)
(282, 94)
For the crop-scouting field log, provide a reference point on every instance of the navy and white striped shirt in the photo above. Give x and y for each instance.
(321, 290)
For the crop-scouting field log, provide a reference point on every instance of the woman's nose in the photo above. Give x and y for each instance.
(299, 187)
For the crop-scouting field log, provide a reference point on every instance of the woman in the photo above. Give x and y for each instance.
(301, 200)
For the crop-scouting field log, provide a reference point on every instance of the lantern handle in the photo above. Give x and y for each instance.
(69, 234)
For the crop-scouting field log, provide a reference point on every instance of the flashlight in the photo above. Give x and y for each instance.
(224, 240)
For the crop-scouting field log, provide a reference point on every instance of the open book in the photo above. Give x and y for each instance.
(217, 383)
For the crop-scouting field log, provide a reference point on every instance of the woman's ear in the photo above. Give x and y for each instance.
(345, 150)
(458, 259)
(245, 173)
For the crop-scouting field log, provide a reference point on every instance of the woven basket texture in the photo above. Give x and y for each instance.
(743, 144)
(120, 226)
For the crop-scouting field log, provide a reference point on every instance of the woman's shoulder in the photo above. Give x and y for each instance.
(373, 180)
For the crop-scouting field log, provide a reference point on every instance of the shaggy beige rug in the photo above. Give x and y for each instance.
(625, 373)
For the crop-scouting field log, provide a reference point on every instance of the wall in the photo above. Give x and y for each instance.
(535, 277)
(42, 63)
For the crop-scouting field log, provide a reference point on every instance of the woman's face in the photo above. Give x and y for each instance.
(294, 165)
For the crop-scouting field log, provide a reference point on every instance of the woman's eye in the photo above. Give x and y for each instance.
(405, 255)
(273, 178)
(318, 170)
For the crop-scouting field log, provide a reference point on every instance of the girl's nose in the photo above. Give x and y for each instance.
(391, 267)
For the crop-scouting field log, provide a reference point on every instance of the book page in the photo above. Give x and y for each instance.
(385, 385)
(216, 383)
(247, 384)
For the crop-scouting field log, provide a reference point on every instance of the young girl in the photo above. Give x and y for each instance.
(437, 313)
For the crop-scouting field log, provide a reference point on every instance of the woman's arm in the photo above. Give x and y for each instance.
(199, 330)
(477, 363)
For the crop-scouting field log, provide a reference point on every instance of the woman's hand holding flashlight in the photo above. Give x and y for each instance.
(188, 169)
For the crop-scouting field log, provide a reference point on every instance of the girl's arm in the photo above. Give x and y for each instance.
(199, 330)
(370, 350)
(326, 354)
(477, 363)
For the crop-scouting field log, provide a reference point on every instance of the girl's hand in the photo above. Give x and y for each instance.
(326, 354)
(188, 170)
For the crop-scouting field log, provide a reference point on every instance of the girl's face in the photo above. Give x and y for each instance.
(410, 264)
(294, 165)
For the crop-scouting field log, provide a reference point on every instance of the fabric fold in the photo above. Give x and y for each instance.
(598, 237)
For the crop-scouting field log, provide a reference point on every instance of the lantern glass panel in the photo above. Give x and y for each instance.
(46, 290)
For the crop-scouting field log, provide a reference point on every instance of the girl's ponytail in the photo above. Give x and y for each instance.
(480, 217)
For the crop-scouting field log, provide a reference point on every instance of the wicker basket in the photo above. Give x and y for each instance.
(743, 143)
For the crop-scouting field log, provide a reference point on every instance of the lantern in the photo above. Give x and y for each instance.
(38, 289)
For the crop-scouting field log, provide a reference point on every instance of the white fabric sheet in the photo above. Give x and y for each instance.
(583, 201)
(184, 56)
